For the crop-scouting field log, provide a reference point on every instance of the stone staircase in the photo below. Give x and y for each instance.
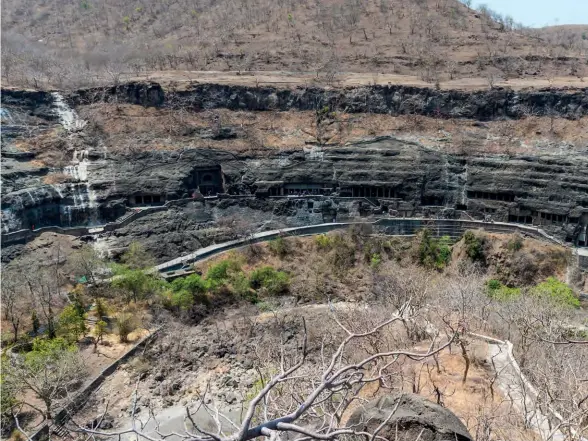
(59, 430)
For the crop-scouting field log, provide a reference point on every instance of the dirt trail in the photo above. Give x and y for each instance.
(522, 396)
(349, 79)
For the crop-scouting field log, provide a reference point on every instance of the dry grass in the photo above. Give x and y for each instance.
(531, 264)
(72, 43)
(473, 400)
(135, 127)
(56, 178)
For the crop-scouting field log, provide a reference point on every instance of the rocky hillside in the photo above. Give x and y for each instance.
(62, 170)
(67, 44)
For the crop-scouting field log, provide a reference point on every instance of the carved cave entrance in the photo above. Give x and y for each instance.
(207, 180)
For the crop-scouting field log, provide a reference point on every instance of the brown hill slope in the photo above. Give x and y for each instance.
(64, 43)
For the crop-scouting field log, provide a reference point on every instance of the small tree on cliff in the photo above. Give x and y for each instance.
(86, 262)
(52, 368)
(14, 301)
(135, 283)
(136, 257)
(131, 276)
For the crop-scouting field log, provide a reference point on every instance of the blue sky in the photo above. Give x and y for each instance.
(537, 13)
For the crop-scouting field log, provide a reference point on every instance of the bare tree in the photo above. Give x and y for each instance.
(14, 300)
(86, 262)
(48, 372)
(44, 285)
(298, 400)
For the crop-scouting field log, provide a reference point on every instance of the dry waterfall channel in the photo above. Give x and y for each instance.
(84, 198)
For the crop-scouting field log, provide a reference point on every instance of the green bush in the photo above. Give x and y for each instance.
(125, 324)
(342, 254)
(72, 323)
(220, 273)
(136, 257)
(272, 281)
(474, 246)
(192, 284)
(101, 309)
(493, 284)
(498, 291)
(323, 242)
(433, 253)
(374, 245)
(265, 306)
(556, 291)
(242, 287)
(136, 283)
(515, 244)
(444, 253)
(375, 261)
(182, 299)
(100, 330)
(279, 247)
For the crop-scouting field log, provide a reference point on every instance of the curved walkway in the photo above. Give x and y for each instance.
(522, 393)
(394, 226)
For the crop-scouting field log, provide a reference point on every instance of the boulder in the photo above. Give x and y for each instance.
(415, 418)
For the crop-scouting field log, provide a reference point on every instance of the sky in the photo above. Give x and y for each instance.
(536, 13)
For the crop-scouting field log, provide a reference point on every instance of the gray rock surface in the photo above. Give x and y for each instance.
(402, 178)
(392, 99)
(414, 418)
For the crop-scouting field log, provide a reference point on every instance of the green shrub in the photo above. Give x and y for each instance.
(342, 254)
(433, 253)
(265, 306)
(556, 291)
(493, 284)
(279, 247)
(192, 284)
(182, 299)
(374, 245)
(444, 253)
(136, 257)
(136, 283)
(101, 309)
(71, 323)
(100, 330)
(242, 287)
(46, 351)
(474, 246)
(323, 242)
(498, 291)
(375, 261)
(515, 244)
(272, 281)
(125, 324)
(77, 298)
(220, 273)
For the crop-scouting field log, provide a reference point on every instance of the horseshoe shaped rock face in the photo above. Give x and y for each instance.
(414, 418)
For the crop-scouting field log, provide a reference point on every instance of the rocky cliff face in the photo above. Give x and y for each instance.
(395, 100)
(381, 176)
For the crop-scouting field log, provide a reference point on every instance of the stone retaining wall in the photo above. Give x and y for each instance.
(24, 236)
